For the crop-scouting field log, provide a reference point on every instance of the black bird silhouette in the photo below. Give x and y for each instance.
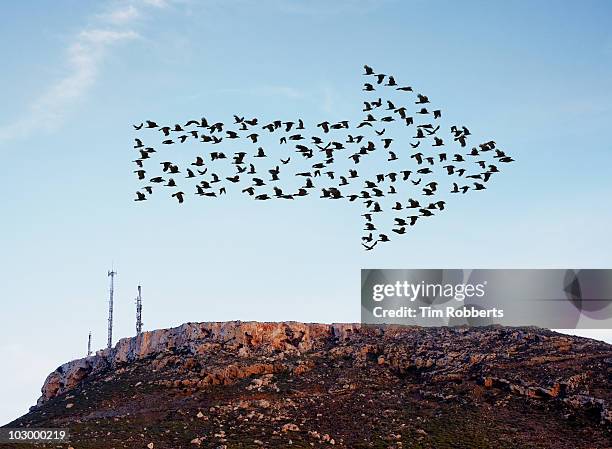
(418, 157)
(426, 212)
(369, 247)
(198, 162)
(179, 196)
(324, 126)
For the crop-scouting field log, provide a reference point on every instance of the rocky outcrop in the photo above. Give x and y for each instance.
(248, 384)
(198, 338)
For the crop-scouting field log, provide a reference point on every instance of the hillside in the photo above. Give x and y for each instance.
(278, 385)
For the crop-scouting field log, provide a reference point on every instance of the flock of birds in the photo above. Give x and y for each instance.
(408, 181)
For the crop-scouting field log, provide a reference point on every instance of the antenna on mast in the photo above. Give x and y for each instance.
(139, 312)
(89, 345)
(112, 275)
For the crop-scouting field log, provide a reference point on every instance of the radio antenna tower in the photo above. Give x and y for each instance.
(89, 345)
(139, 312)
(112, 275)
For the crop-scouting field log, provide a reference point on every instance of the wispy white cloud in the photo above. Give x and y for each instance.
(84, 60)
(122, 15)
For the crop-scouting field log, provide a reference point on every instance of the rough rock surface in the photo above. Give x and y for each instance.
(197, 338)
(248, 384)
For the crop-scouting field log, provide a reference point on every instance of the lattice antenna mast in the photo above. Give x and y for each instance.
(112, 275)
(139, 312)
(89, 345)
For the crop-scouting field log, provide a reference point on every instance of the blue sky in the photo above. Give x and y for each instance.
(534, 76)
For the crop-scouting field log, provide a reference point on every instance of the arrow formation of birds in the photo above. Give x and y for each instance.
(403, 182)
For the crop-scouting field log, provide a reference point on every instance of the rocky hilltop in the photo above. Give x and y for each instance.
(263, 385)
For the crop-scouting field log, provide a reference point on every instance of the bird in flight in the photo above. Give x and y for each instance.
(370, 161)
